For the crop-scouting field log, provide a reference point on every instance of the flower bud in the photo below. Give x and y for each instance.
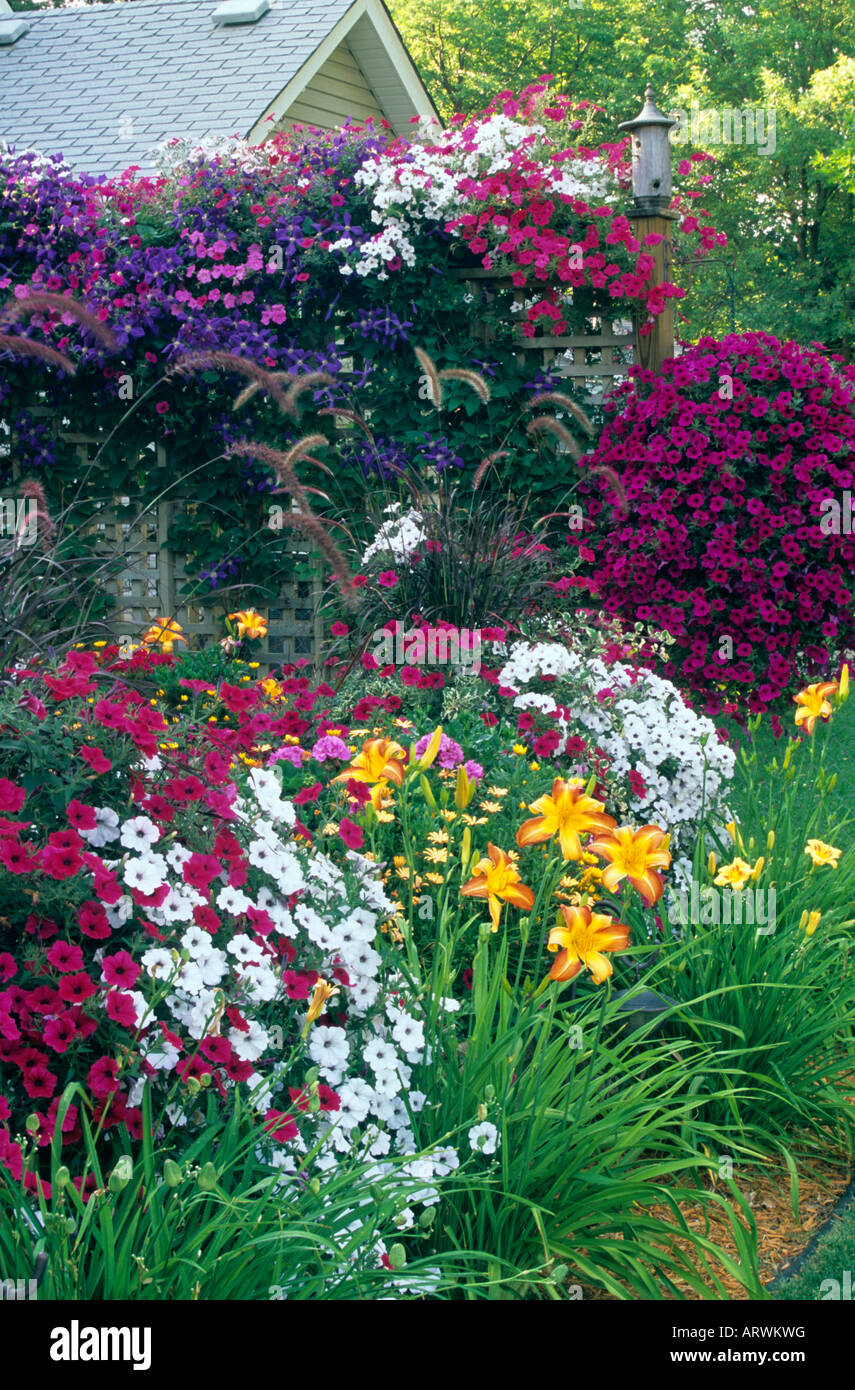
(427, 793)
(315, 1186)
(482, 1111)
(62, 1177)
(711, 862)
(427, 1218)
(207, 1178)
(770, 840)
(121, 1174)
(171, 1173)
(397, 1256)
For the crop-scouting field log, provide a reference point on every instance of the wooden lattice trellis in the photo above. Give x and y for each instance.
(151, 575)
(594, 360)
(148, 580)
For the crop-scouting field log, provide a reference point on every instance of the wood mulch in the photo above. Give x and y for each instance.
(780, 1235)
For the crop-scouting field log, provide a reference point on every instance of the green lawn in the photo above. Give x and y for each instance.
(823, 1275)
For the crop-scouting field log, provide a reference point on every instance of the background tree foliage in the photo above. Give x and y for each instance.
(790, 268)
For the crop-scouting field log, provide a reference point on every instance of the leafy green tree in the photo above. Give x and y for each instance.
(787, 210)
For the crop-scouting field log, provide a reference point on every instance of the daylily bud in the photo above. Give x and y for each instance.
(427, 793)
(843, 686)
(812, 923)
(788, 757)
(803, 919)
(770, 840)
(429, 755)
(171, 1173)
(466, 847)
(758, 869)
(464, 789)
(121, 1174)
(207, 1178)
(711, 862)
(832, 782)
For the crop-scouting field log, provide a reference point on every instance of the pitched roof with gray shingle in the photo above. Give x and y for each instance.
(102, 84)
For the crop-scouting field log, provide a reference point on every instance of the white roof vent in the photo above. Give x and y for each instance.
(11, 27)
(240, 11)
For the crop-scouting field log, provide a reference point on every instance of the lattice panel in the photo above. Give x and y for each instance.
(151, 576)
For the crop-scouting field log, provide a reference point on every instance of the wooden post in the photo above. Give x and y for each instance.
(651, 195)
(651, 349)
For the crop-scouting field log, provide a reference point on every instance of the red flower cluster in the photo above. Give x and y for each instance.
(735, 461)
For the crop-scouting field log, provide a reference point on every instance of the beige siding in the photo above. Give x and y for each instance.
(337, 90)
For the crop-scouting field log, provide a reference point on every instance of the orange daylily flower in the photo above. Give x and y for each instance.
(582, 939)
(164, 633)
(567, 813)
(381, 760)
(250, 624)
(497, 879)
(636, 855)
(813, 703)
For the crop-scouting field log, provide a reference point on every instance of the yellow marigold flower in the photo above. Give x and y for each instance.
(567, 813)
(582, 940)
(272, 689)
(813, 703)
(821, 854)
(434, 878)
(636, 855)
(250, 624)
(496, 879)
(164, 634)
(436, 856)
(535, 767)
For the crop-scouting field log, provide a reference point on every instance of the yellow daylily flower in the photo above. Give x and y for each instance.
(250, 624)
(813, 703)
(381, 760)
(322, 992)
(636, 855)
(582, 940)
(164, 634)
(733, 875)
(497, 879)
(822, 854)
(568, 813)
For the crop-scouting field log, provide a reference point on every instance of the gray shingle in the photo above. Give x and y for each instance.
(164, 63)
